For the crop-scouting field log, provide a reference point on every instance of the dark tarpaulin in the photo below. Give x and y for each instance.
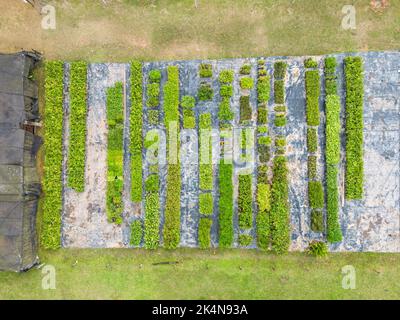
(19, 182)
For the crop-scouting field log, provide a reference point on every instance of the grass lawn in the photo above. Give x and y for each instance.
(170, 29)
(227, 274)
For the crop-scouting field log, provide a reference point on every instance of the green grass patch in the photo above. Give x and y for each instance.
(312, 167)
(205, 92)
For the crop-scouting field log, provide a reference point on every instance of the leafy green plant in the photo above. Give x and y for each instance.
(245, 240)
(281, 108)
(280, 141)
(317, 221)
(280, 120)
(205, 70)
(312, 140)
(204, 233)
(153, 94)
(77, 126)
(264, 206)
(245, 109)
(136, 127)
(334, 232)
(263, 89)
(280, 70)
(152, 183)
(225, 113)
(317, 249)
(115, 153)
(172, 205)
(152, 221)
(153, 117)
(279, 218)
(225, 205)
(264, 154)
(206, 203)
(332, 129)
(262, 130)
(136, 233)
(205, 92)
(226, 76)
(245, 69)
(246, 83)
(310, 63)
(264, 140)
(245, 201)
(279, 91)
(354, 178)
(205, 121)
(312, 97)
(262, 116)
(226, 90)
(330, 76)
(315, 194)
(312, 167)
(188, 102)
(155, 76)
(50, 236)
(262, 173)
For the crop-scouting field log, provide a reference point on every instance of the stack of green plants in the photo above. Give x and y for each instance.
(225, 204)
(136, 233)
(172, 206)
(136, 123)
(50, 235)
(187, 105)
(278, 194)
(353, 68)
(312, 97)
(332, 156)
(205, 70)
(245, 211)
(279, 93)
(225, 113)
(206, 180)
(77, 126)
(152, 197)
(315, 187)
(246, 83)
(115, 123)
(279, 218)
